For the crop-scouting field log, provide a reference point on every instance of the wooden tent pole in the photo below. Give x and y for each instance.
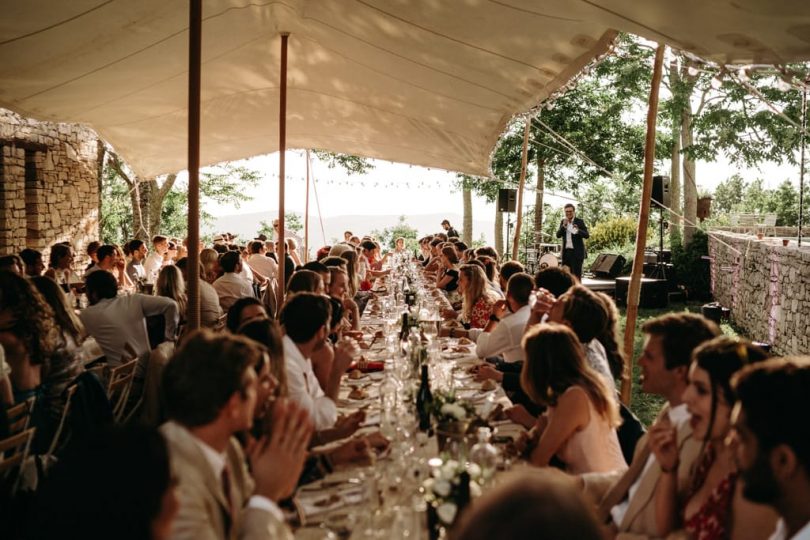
(194, 71)
(306, 216)
(634, 290)
(523, 166)
(282, 150)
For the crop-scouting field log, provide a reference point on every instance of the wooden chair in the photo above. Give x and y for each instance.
(14, 451)
(69, 392)
(19, 416)
(119, 387)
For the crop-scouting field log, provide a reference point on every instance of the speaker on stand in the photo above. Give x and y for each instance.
(660, 198)
(507, 202)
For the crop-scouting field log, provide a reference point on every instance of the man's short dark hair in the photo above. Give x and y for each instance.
(775, 397)
(303, 314)
(441, 236)
(520, 287)
(93, 246)
(680, 333)
(232, 320)
(436, 241)
(203, 375)
(157, 239)
(256, 246)
(220, 248)
(368, 245)
(460, 246)
(571, 206)
(445, 221)
(487, 251)
(105, 251)
(316, 266)
(30, 256)
(134, 245)
(510, 268)
(554, 279)
(229, 261)
(101, 284)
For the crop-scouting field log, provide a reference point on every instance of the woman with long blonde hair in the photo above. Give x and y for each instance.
(170, 284)
(351, 269)
(580, 424)
(477, 298)
(209, 258)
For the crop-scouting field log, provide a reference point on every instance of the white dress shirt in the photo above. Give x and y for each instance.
(263, 265)
(304, 388)
(210, 310)
(114, 322)
(246, 273)
(152, 265)
(217, 462)
(677, 415)
(781, 532)
(505, 339)
(569, 230)
(230, 288)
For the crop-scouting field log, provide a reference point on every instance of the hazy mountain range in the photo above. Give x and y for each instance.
(246, 225)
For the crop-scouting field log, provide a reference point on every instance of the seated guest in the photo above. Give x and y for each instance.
(322, 270)
(210, 310)
(138, 252)
(209, 258)
(448, 281)
(210, 389)
(244, 310)
(353, 282)
(67, 360)
(491, 271)
(292, 250)
(32, 259)
(12, 263)
(305, 281)
(460, 248)
(60, 263)
(625, 501)
(157, 258)
(231, 286)
(136, 501)
(107, 259)
(338, 290)
(508, 269)
(477, 298)
(170, 284)
(771, 437)
(399, 245)
(115, 321)
(260, 262)
(305, 319)
(503, 334)
(434, 262)
(579, 427)
(529, 504)
(714, 506)
(92, 253)
(322, 253)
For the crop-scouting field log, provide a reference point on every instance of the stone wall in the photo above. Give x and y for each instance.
(767, 287)
(48, 185)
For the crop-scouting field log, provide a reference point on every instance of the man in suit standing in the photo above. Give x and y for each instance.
(210, 388)
(449, 230)
(573, 231)
(626, 502)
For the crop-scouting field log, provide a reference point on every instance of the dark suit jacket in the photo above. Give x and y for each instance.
(576, 239)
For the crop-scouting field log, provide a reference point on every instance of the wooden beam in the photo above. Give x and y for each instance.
(523, 166)
(282, 150)
(306, 215)
(194, 85)
(634, 290)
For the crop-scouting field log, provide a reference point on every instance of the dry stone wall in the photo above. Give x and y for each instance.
(767, 287)
(48, 185)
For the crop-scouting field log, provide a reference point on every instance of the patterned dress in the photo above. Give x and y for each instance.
(711, 521)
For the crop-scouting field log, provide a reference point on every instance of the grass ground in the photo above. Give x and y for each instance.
(646, 406)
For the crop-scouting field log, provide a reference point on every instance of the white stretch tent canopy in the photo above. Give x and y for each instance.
(428, 82)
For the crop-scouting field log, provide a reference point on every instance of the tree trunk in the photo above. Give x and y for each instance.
(689, 177)
(498, 230)
(101, 155)
(538, 201)
(467, 229)
(675, 163)
(158, 194)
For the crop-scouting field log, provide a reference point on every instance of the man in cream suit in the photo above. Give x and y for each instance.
(210, 388)
(626, 500)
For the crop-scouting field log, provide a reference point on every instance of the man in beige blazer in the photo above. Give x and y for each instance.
(626, 500)
(210, 388)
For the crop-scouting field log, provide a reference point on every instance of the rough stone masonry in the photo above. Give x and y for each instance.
(49, 185)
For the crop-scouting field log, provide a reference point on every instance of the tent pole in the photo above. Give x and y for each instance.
(802, 166)
(282, 150)
(194, 71)
(306, 217)
(634, 290)
(523, 165)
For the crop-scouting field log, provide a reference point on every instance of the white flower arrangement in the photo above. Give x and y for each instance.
(454, 410)
(441, 490)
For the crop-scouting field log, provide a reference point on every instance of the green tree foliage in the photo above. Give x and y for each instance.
(612, 233)
(734, 195)
(691, 268)
(351, 164)
(388, 236)
(292, 222)
(728, 195)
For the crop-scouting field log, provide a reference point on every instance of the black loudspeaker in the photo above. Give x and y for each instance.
(507, 200)
(654, 292)
(607, 265)
(660, 191)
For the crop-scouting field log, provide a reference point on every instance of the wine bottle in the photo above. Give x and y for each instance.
(463, 499)
(424, 399)
(403, 332)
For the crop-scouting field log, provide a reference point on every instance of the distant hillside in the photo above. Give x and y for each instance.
(246, 225)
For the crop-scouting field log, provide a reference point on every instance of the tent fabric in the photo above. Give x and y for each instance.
(427, 82)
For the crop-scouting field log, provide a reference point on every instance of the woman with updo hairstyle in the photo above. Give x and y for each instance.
(579, 427)
(714, 507)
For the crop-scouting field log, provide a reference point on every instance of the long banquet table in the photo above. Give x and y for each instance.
(385, 499)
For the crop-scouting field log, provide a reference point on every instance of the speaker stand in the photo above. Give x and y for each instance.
(506, 256)
(660, 271)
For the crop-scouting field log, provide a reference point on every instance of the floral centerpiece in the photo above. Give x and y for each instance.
(449, 489)
(453, 417)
